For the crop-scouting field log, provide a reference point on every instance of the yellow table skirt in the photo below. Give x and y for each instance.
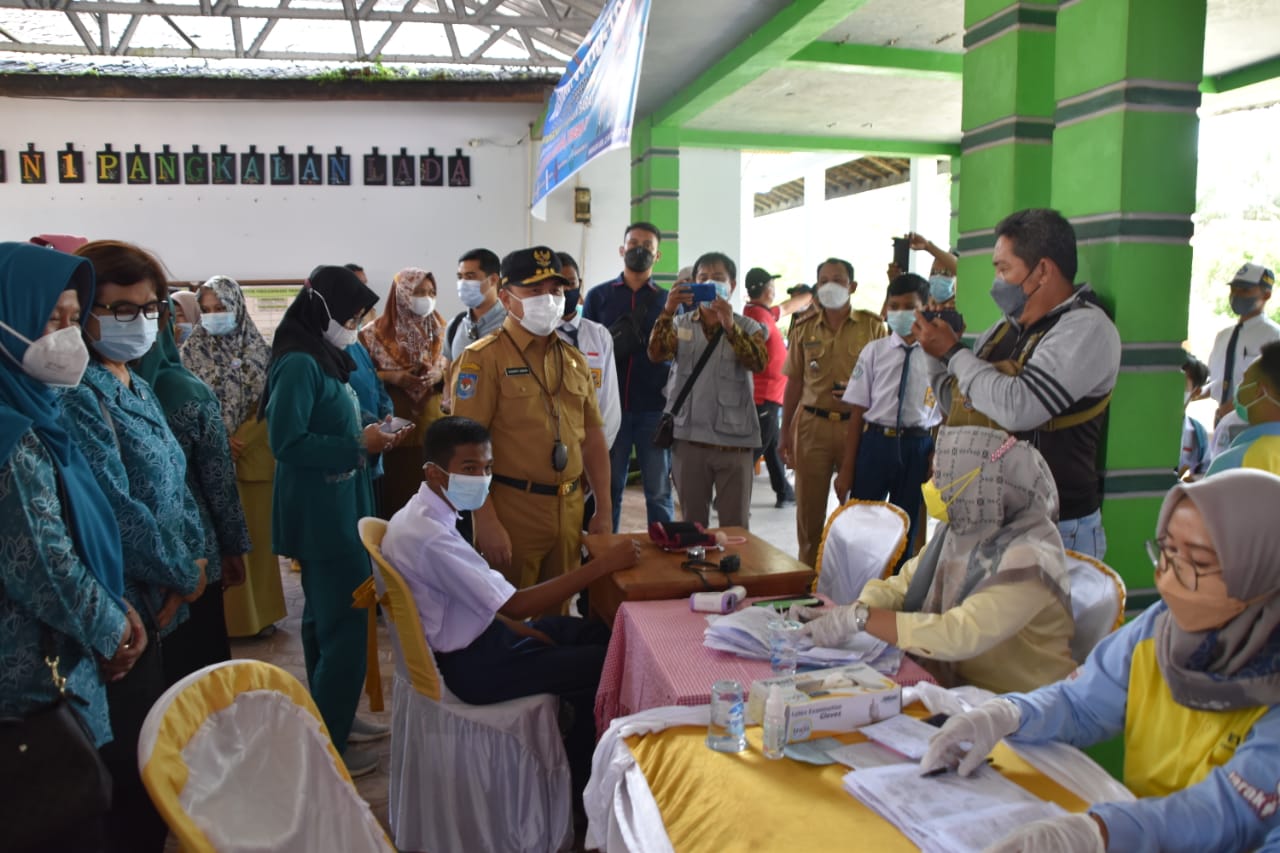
(712, 802)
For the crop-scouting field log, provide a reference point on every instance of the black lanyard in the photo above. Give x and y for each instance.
(559, 452)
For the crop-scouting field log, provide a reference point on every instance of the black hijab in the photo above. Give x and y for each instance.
(328, 293)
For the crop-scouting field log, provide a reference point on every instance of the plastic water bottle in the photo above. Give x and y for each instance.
(775, 723)
(727, 730)
(782, 645)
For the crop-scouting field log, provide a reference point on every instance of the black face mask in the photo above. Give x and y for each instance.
(571, 298)
(638, 259)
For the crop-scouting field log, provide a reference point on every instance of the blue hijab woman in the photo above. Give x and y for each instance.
(61, 581)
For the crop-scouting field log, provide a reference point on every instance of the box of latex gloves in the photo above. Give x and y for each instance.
(828, 701)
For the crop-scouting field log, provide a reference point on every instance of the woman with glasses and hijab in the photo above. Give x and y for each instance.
(228, 353)
(988, 601)
(61, 583)
(115, 418)
(322, 486)
(1192, 684)
(406, 344)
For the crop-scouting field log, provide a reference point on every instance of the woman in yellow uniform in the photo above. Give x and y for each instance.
(1192, 683)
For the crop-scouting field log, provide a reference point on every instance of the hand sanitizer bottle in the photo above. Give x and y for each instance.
(775, 723)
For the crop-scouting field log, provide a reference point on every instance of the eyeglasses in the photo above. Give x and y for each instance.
(127, 312)
(1187, 571)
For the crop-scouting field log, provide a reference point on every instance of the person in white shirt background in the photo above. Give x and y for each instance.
(1237, 346)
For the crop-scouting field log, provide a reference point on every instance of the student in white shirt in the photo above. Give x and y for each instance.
(1237, 346)
(890, 439)
(473, 618)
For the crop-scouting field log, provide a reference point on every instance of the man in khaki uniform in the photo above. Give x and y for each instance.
(822, 349)
(535, 394)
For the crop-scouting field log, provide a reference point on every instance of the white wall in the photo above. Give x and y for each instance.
(710, 214)
(284, 231)
(593, 246)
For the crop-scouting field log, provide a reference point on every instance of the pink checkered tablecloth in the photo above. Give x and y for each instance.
(656, 658)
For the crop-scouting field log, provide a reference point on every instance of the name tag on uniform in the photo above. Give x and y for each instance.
(517, 371)
(684, 333)
(598, 375)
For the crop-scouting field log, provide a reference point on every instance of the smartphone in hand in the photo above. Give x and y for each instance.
(395, 425)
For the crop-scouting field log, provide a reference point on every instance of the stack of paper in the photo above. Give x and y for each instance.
(947, 813)
(746, 634)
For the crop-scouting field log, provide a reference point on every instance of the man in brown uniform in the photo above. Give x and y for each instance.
(536, 396)
(822, 349)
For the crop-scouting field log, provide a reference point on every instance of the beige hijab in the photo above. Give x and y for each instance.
(1237, 665)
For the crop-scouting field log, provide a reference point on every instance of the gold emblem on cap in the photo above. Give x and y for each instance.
(542, 257)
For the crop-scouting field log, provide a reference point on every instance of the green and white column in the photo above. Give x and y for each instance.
(1124, 172)
(655, 190)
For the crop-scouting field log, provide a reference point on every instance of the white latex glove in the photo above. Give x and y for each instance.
(982, 728)
(830, 630)
(801, 613)
(1073, 833)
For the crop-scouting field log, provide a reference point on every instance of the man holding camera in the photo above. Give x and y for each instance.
(628, 306)
(1045, 372)
(715, 427)
(823, 348)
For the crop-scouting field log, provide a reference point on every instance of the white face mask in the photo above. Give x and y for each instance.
(58, 358)
(339, 335)
(471, 292)
(218, 323)
(422, 305)
(542, 313)
(833, 295)
(467, 491)
(121, 340)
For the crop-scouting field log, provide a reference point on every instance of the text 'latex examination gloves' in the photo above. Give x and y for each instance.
(969, 738)
(1073, 833)
(826, 630)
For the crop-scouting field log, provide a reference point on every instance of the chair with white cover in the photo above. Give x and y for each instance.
(236, 759)
(466, 777)
(1097, 602)
(863, 540)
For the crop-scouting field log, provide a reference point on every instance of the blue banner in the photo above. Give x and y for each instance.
(594, 103)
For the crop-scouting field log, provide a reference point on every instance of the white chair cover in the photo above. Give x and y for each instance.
(469, 777)
(1097, 602)
(237, 760)
(863, 541)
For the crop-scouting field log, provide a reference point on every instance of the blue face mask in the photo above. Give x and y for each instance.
(722, 289)
(182, 331)
(942, 287)
(467, 491)
(125, 341)
(470, 292)
(219, 324)
(900, 322)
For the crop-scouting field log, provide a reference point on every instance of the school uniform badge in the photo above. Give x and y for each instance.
(466, 385)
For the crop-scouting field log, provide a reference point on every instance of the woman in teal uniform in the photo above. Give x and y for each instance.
(322, 486)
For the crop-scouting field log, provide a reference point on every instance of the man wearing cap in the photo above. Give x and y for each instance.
(535, 395)
(1238, 345)
(822, 349)
(770, 384)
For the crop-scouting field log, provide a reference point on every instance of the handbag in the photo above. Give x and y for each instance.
(665, 434)
(53, 779)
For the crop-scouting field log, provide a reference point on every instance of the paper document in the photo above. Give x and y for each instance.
(947, 813)
(746, 634)
(903, 734)
(862, 756)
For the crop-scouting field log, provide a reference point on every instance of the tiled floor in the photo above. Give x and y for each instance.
(284, 647)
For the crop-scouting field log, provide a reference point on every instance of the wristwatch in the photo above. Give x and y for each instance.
(860, 614)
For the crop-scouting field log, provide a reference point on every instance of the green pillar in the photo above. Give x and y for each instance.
(1007, 122)
(655, 190)
(1124, 172)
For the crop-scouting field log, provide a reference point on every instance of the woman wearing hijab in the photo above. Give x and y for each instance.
(228, 353)
(322, 486)
(117, 422)
(406, 344)
(1192, 684)
(988, 601)
(186, 315)
(195, 418)
(61, 583)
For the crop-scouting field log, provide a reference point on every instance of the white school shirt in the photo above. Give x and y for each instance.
(875, 379)
(1255, 332)
(595, 342)
(456, 592)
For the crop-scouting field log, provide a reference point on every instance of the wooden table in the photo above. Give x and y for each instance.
(765, 571)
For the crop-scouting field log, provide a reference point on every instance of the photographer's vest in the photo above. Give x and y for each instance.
(721, 407)
(1068, 441)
